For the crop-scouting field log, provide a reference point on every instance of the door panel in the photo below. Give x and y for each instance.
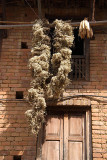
(75, 125)
(64, 138)
(53, 126)
(76, 136)
(52, 143)
(50, 150)
(75, 150)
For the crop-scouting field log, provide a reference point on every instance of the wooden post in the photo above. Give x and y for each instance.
(93, 11)
(34, 3)
(0, 42)
(65, 136)
(4, 32)
(4, 9)
(39, 9)
(87, 55)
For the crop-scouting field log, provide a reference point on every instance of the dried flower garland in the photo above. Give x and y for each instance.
(39, 64)
(41, 89)
(61, 60)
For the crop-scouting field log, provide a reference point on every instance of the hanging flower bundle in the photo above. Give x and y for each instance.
(39, 65)
(44, 84)
(61, 60)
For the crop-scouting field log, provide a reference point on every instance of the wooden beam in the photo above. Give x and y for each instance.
(39, 9)
(15, 22)
(74, 24)
(92, 23)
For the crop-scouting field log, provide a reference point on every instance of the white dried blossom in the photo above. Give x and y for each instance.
(41, 89)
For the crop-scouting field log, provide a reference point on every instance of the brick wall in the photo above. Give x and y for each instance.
(15, 138)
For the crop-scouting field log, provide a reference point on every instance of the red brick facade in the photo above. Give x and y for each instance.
(15, 138)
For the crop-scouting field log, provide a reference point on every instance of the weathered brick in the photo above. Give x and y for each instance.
(15, 138)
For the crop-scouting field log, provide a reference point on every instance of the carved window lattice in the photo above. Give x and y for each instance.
(80, 64)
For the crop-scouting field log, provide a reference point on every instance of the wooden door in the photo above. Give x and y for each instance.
(64, 138)
(76, 137)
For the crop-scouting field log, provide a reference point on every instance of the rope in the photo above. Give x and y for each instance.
(64, 98)
(31, 7)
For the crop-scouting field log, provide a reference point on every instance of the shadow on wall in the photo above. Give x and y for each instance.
(15, 138)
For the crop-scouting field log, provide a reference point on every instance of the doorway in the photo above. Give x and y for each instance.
(64, 138)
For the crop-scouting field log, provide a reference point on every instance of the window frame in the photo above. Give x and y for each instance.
(86, 57)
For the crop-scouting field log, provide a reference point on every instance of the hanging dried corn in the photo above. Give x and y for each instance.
(85, 30)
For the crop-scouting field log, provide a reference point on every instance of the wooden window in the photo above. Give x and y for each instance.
(66, 136)
(80, 58)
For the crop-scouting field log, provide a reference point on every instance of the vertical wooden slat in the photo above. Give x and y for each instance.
(61, 140)
(90, 9)
(4, 9)
(0, 41)
(93, 11)
(39, 9)
(83, 68)
(3, 33)
(87, 60)
(73, 69)
(39, 145)
(66, 3)
(65, 136)
(76, 68)
(34, 1)
(79, 68)
(89, 135)
(84, 138)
